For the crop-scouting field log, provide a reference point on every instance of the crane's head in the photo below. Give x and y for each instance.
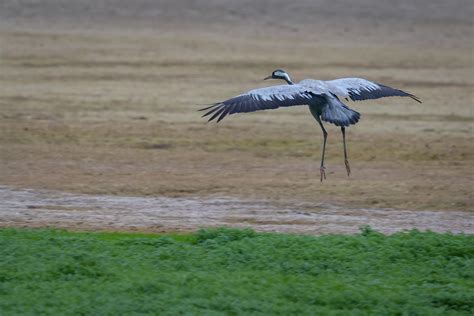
(280, 74)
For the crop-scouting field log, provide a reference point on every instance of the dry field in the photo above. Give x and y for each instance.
(100, 97)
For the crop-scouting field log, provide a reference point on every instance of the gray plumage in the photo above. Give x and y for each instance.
(318, 93)
(261, 99)
(322, 97)
(356, 89)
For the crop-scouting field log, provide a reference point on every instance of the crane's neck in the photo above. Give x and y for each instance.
(287, 78)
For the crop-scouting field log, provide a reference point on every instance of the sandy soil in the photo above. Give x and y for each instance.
(100, 97)
(40, 208)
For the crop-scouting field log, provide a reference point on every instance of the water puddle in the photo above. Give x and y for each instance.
(41, 208)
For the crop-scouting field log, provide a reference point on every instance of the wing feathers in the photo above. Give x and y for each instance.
(355, 89)
(206, 108)
(217, 113)
(213, 109)
(307, 92)
(376, 93)
(260, 99)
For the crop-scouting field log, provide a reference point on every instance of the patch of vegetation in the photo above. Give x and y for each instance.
(230, 271)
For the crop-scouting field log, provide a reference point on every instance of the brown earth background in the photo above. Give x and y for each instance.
(100, 97)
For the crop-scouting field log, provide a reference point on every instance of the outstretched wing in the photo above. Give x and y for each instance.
(360, 89)
(260, 99)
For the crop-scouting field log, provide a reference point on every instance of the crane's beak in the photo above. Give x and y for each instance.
(266, 78)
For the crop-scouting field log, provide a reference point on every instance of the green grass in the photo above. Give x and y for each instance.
(235, 272)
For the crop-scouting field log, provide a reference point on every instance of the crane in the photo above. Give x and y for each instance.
(322, 98)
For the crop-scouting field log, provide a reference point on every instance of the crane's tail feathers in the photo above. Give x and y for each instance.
(340, 115)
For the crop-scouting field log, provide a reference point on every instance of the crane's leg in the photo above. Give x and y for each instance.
(348, 168)
(325, 134)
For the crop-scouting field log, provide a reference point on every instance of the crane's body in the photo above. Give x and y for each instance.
(322, 98)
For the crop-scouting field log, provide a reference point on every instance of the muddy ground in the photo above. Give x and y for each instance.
(100, 97)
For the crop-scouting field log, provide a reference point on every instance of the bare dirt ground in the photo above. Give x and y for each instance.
(100, 97)
(41, 208)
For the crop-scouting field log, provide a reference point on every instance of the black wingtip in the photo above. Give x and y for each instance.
(217, 113)
(224, 114)
(210, 106)
(216, 109)
(415, 98)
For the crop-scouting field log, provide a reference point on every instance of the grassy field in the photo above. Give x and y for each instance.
(227, 271)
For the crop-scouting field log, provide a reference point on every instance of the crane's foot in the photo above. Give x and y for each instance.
(323, 173)
(348, 168)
